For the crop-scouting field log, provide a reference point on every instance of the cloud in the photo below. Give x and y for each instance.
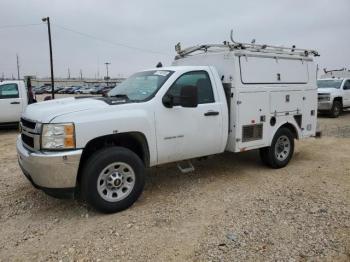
(158, 26)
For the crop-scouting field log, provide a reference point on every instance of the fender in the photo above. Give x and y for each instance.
(290, 123)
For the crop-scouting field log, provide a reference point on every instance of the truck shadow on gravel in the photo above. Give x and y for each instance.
(163, 180)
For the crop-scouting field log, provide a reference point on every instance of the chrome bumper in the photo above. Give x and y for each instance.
(324, 106)
(49, 169)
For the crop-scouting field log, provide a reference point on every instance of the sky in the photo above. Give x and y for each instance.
(136, 34)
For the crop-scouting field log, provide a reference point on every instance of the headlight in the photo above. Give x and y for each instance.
(58, 136)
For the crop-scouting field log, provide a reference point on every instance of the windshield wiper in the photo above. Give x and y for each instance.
(121, 96)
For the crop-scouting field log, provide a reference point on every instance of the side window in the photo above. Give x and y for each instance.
(9, 91)
(196, 78)
(346, 85)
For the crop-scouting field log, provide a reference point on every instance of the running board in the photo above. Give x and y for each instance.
(185, 166)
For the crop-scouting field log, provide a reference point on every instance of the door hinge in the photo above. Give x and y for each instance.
(238, 139)
(239, 102)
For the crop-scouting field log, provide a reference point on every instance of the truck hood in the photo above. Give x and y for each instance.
(46, 111)
(327, 90)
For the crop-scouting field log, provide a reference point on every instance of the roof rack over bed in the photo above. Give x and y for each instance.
(226, 45)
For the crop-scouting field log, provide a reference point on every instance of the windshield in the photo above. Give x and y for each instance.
(141, 86)
(336, 83)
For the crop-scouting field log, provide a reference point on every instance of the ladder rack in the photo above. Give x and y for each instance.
(248, 47)
(245, 46)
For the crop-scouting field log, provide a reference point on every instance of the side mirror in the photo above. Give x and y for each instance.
(189, 96)
(168, 101)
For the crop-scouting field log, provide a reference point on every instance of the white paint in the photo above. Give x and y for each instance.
(12, 108)
(179, 133)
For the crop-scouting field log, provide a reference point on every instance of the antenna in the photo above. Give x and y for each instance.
(231, 36)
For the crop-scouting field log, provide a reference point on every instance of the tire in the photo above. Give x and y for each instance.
(336, 109)
(281, 150)
(112, 179)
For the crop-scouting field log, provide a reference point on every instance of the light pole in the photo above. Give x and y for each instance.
(17, 66)
(107, 64)
(47, 20)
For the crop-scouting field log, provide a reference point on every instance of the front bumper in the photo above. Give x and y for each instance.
(324, 106)
(50, 171)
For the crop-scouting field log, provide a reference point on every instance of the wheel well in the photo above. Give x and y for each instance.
(339, 99)
(291, 128)
(135, 141)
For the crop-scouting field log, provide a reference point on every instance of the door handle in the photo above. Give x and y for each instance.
(211, 113)
(15, 103)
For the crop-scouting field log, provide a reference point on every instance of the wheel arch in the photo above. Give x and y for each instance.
(135, 141)
(289, 125)
(339, 99)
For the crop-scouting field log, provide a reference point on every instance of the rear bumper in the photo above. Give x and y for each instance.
(53, 172)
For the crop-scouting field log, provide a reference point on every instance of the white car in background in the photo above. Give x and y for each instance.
(13, 101)
(333, 95)
(84, 90)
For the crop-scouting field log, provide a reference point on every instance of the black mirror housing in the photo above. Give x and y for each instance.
(168, 101)
(189, 96)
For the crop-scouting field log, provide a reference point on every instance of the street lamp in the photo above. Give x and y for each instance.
(107, 64)
(47, 20)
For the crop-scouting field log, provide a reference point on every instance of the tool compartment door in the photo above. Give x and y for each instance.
(253, 108)
(286, 101)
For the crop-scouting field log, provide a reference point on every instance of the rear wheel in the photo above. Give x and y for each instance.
(281, 150)
(336, 109)
(113, 179)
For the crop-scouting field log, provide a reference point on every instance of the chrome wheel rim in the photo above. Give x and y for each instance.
(282, 148)
(116, 182)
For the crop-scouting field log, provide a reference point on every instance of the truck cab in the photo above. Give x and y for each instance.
(13, 101)
(333, 95)
(206, 103)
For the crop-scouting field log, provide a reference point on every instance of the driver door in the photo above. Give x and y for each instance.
(184, 133)
(10, 103)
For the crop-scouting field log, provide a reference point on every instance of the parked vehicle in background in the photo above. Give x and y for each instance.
(57, 89)
(73, 89)
(96, 89)
(13, 101)
(104, 90)
(63, 90)
(84, 90)
(235, 97)
(39, 90)
(333, 95)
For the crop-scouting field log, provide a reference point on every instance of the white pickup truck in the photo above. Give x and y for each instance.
(333, 95)
(237, 97)
(13, 101)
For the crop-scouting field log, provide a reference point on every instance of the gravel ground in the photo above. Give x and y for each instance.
(231, 208)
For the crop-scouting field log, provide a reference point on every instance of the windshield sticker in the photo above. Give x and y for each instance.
(161, 73)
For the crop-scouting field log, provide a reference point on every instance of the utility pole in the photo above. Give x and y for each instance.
(47, 20)
(107, 64)
(3, 76)
(17, 67)
(68, 73)
(81, 74)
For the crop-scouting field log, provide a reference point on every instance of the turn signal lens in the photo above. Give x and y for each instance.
(58, 136)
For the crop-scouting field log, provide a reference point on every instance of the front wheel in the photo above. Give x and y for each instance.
(336, 109)
(113, 179)
(281, 150)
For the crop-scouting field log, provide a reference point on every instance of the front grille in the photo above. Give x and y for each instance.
(28, 124)
(29, 141)
(323, 97)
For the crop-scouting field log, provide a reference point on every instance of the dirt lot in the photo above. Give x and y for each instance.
(230, 209)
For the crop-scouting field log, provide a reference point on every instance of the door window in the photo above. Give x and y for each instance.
(196, 78)
(9, 91)
(347, 85)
